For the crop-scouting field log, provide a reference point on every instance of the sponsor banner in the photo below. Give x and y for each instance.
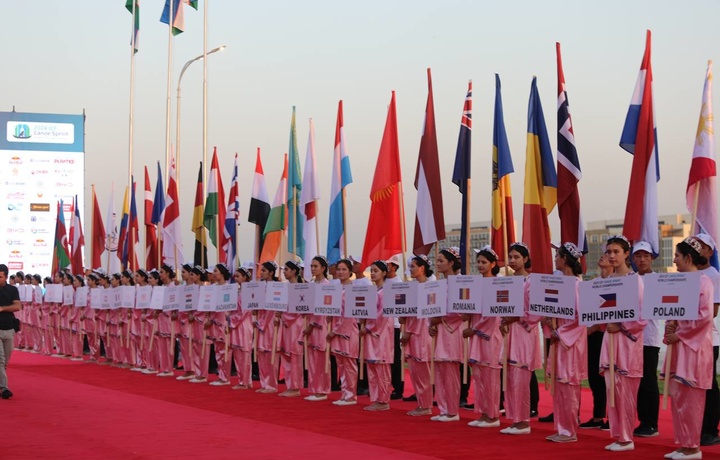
(671, 295)
(553, 295)
(609, 300)
(503, 296)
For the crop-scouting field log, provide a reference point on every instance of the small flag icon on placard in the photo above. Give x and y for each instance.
(302, 297)
(327, 300)
(431, 298)
(464, 294)
(400, 299)
(609, 300)
(503, 296)
(670, 299)
(277, 296)
(551, 295)
(360, 301)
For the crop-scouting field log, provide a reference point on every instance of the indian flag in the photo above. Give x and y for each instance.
(277, 220)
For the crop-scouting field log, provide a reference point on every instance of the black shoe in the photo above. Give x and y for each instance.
(547, 419)
(396, 396)
(435, 404)
(467, 406)
(335, 388)
(6, 394)
(705, 440)
(592, 423)
(363, 392)
(256, 377)
(412, 397)
(605, 426)
(533, 413)
(463, 401)
(644, 431)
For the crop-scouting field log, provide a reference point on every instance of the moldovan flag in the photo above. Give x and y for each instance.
(540, 186)
(386, 224)
(341, 178)
(308, 199)
(172, 229)
(123, 238)
(503, 220)
(198, 226)
(639, 137)
(277, 220)
(259, 203)
(77, 241)
(429, 216)
(98, 233)
(133, 236)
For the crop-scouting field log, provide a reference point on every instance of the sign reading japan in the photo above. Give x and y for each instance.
(252, 295)
(552, 295)
(671, 295)
(609, 300)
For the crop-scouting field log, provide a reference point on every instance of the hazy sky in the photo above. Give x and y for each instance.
(62, 57)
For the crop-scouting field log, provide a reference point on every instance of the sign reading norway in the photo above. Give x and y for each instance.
(609, 300)
(503, 296)
(671, 295)
(464, 294)
(400, 299)
(552, 295)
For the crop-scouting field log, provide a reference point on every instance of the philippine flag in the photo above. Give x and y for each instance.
(609, 300)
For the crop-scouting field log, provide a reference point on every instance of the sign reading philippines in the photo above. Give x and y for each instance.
(609, 300)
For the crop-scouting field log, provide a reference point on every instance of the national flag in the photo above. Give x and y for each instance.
(77, 241)
(198, 227)
(609, 300)
(461, 175)
(431, 298)
(215, 207)
(295, 240)
(385, 235)
(112, 234)
(178, 15)
(308, 199)
(464, 294)
(277, 296)
(134, 8)
(98, 233)
(360, 301)
(327, 300)
(540, 186)
(429, 215)
(259, 202)
(277, 220)
(701, 194)
(670, 299)
(61, 254)
(232, 215)
(341, 177)
(172, 228)
(122, 239)
(569, 174)
(192, 3)
(551, 295)
(503, 220)
(133, 232)
(639, 137)
(502, 296)
(400, 299)
(151, 254)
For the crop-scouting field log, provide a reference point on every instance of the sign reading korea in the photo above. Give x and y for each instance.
(609, 300)
(671, 295)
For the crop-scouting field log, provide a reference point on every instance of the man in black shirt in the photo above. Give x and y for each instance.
(9, 303)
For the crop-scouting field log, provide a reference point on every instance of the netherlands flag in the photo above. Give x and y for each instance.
(551, 295)
(341, 178)
(639, 137)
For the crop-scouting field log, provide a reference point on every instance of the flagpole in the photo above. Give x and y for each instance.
(696, 200)
(205, 95)
(503, 210)
(131, 130)
(317, 230)
(344, 236)
(466, 264)
(294, 230)
(402, 226)
(169, 86)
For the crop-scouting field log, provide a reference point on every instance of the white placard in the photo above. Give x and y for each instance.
(106, 300)
(300, 297)
(25, 292)
(552, 295)
(171, 298)
(503, 296)
(206, 301)
(116, 297)
(37, 295)
(361, 302)
(96, 298)
(226, 297)
(464, 294)
(609, 300)
(671, 295)
(81, 296)
(143, 294)
(157, 299)
(328, 300)
(400, 299)
(68, 295)
(127, 296)
(53, 293)
(432, 299)
(253, 295)
(276, 296)
(190, 297)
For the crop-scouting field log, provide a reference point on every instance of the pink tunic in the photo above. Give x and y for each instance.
(418, 347)
(241, 328)
(486, 344)
(292, 325)
(571, 351)
(347, 336)
(379, 341)
(218, 322)
(318, 336)
(523, 339)
(449, 341)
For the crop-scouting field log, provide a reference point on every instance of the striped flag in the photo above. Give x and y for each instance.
(569, 174)
(134, 8)
(295, 240)
(429, 216)
(158, 208)
(308, 199)
(503, 220)
(77, 241)
(98, 233)
(232, 214)
(150, 229)
(639, 137)
(277, 220)
(701, 194)
(112, 234)
(341, 178)
(215, 207)
(461, 174)
(259, 202)
(172, 228)
(540, 186)
(133, 237)
(61, 254)
(178, 14)
(122, 239)
(198, 227)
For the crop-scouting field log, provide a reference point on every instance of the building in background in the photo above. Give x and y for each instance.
(479, 237)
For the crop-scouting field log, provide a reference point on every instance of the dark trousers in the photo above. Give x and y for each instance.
(534, 393)
(464, 387)
(648, 397)
(711, 417)
(597, 381)
(397, 367)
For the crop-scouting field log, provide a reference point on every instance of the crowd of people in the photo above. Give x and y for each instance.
(338, 349)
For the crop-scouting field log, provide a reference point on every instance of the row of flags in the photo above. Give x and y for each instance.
(292, 215)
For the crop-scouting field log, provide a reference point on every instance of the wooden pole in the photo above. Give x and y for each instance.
(695, 208)
(433, 344)
(306, 339)
(668, 360)
(611, 347)
(466, 354)
(274, 343)
(402, 354)
(402, 224)
(344, 236)
(362, 357)
(506, 342)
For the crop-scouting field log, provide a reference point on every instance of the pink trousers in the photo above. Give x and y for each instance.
(622, 417)
(268, 371)
(224, 363)
(517, 396)
(380, 382)
(200, 360)
(243, 364)
(162, 350)
(348, 373)
(447, 387)
(318, 378)
(293, 370)
(487, 390)
(566, 404)
(688, 404)
(77, 343)
(420, 376)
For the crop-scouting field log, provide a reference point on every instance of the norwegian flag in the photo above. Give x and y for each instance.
(231, 218)
(568, 169)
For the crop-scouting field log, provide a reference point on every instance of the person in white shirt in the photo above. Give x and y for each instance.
(397, 367)
(359, 271)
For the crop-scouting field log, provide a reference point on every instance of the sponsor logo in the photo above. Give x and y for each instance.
(13, 242)
(46, 133)
(64, 161)
(63, 172)
(15, 265)
(40, 265)
(39, 160)
(609, 300)
(15, 172)
(15, 183)
(39, 207)
(63, 184)
(12, 230)
(15, 196)
(15, 160)
(15, 219)
(15, 254)
(39, 172)
(14, 206)
(40, 242)
(39, 231)
(40, 218)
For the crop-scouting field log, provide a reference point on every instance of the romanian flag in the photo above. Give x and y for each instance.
(133, 236)
(503, 222)
(540, 186)
(122, 239)
(198, 227)
(277, 220)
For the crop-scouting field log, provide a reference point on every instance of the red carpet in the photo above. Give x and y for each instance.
(63, 409)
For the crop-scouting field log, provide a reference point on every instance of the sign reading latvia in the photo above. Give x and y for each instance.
(361, 302)
(253, 295)
(503, 296)
(671, 295)
(301, 297)
(464, 294)
(552, 295)
(328, 300)
(432, 299)
(609, 300)
(400, 299)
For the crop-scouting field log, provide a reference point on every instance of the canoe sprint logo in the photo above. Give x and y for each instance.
(22, 131)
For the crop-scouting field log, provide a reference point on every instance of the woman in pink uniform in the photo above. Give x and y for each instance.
(628, 356)
(523, 350)
(125, 323)
(416, 341)
(45, 323)
(343, 338)
(448, 346)
(217, 331)
(241, 336)
(113, 350)
(201, 351)
(151, 329)
(379, 345)
(691, 365)
(140, 327)
(76, 329)
(184, 327)
(90, 323)
(267, 339)
(569, 339)
(316, 334)
(484, 354)
(163, 346)
(290, 343)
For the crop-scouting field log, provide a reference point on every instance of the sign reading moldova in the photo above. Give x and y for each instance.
(671, 295)
(226, 297)
(361, 302)
(400, 299)
(190, 297)
(328, 300)
(609, 300)
(503, 296)
(552, 295)
(464, 294)
(300, 297)
(143, 295)
(253, 295)
(432, 299)
(276, 296)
